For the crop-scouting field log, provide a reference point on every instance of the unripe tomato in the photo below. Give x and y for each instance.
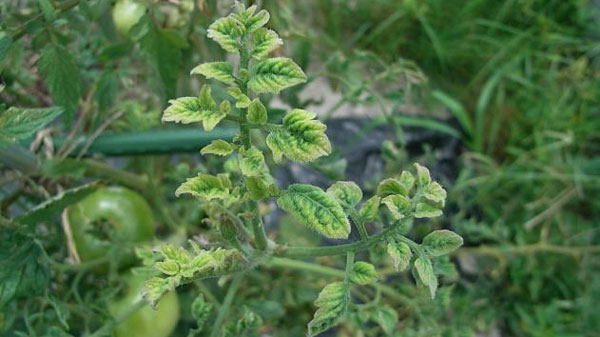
(126, 14)
(145, 322)
(121, 212)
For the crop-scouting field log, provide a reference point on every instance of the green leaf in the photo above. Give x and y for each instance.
(347, 193)
(370, 209)
(265, 41)
(398, 205)
(203, 109)
(61, 75)
(424, 210)
(423, 177)
(156, 287)
(218, 147)
(257, 113)
(387, 318)
(17, 123)
(252, 162)
(200, 311)
(201, 264)
(441, 242)
(5, 43)
(300, 139)
(363, 273)
(407, 180)
(168, 267)
(221, 71)
(400, 253)
(257, 21)
(313, 207)
(107, 90)
(257, 189)
(225, 32)
(391, 186)
(23, 271)
(55, 205)
(242, 101)
(205, 186)
(275, 74)
(425, 272)
(332, 304)
(47, 9)
(435, 192)
(163, 51)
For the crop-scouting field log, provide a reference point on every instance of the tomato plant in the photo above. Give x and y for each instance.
(111, 214)
(146, 321)
(295, 198)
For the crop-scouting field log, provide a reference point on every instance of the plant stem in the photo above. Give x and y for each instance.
(298, 252)
(239, 224)
(60, 8)
(237, 280)
(257, 223)
(358, 221)
(278, 262)
(258, 226)
(574, 251)
(99, 169)
(349, 264)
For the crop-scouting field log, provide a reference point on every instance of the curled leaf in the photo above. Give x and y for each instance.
(257, 113)
(300, 139)
(347, 193)
(400, 253)
(423, 177)
(363, 273)
(441, 242)
(332, 303)
(316, 209)
(391, 186)
(426, 275)
(435, 192)
(205, 186)
(225, 32)
(265, 41)
(188, 110)
(370, 209)
(242, 101)
(252, 163)
(398, 205)
(275, 74)
(221, 71)
(425, 210)
(218, 147)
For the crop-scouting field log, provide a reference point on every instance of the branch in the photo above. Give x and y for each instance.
(299, 252)
(233, 288)
(60, 8)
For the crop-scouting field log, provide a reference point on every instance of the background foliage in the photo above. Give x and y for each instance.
(514, 83)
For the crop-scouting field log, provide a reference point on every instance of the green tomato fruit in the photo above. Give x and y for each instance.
(110, 215)
(145, 322)
(126, 13)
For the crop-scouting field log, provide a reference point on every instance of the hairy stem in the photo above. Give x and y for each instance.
(358, 221)
(349, 264)
(258, 226)
(233, 288)
(284, 263)
(99, 169)
(257, 223)
(60, 8)
(299, 252)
